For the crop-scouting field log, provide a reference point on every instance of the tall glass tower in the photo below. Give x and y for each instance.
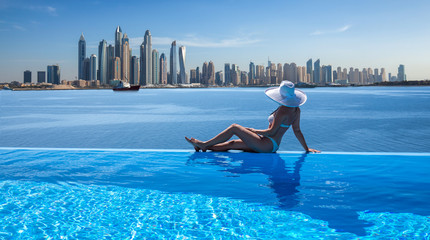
(401, 76)
(163, 69)
(173, 72)
(309, 69)
(183, 77)
(118, 41)
(146, 59)
(155, 68)
(81, 56)
(93, 67)
(317, 71)
(227, 74)
(103, 62)
(125, 59)
(251, 71)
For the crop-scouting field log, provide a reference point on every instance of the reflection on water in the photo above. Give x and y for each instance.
(283, 180)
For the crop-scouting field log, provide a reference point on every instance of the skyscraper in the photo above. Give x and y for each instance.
(198, 78)
(27, 76)
(211, 73)
(227, 74)
(86, 67)
(219, 78)
(54, 74)
(117, 68)
(93, 67)
(401, 76)
(173, 64)
(309, 69)
(155, 68)
(103, 63)
(317, 72)
(193, 76)
(49, 74)
(205, 73)
(279, 74)
(146, 59)
(125, 59)
(134, 70)
(182, 74)
(383, 75)
(41, 76)
(118, 42)
(110, 62)
(251, 72)
(163, 69)
(81, 55)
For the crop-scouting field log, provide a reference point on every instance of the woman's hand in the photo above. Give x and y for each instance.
(251, 129)
(310, 150)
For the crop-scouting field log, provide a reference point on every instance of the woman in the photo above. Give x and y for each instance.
(267, 140)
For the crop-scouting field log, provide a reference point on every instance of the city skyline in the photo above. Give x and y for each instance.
(388, 34)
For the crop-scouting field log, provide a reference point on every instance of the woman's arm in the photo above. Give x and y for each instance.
(273, 127)
(299, 134)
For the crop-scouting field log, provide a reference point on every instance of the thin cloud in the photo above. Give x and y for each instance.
(48, 9)
(339, 30)
(192, 41)
(18, 27)
(344, 28)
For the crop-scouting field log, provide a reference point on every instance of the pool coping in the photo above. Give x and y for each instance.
(191, 151)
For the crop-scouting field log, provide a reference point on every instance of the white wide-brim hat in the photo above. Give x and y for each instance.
(286, 94)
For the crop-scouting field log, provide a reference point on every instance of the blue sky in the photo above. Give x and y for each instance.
(345, 33)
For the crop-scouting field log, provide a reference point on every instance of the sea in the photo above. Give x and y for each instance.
(338, 119)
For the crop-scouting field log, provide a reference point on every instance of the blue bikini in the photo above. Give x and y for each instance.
(275, 144)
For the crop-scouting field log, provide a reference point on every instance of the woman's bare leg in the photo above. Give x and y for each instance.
(250, 139)
(231, 145)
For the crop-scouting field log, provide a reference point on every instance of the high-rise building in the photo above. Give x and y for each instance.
(251, 72)
(27, 76)
(309, 68)
(81, 56)
(103, 63)
(155, 68)
(118, 42)
(110, 62)
(198, 76)
(86, 67)
(243, 78)
(193, 76)
(41, 76)
(182, 74)
(328, 74)
(383, 75)
(317, 72)
(205, 73)
(125, 59)
(211, 73)
(173, 65)
(146, 59)
(279, 74)
(53, 74)
(227, 74)
(401, 76)
(117, 69)
(219, 78)
(134, 70)
(93, 67)
(163, 69)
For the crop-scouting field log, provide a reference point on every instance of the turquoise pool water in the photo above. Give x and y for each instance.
(136, 194)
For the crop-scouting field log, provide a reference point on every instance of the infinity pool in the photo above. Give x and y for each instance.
(136, 194)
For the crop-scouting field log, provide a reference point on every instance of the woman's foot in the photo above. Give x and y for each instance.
(198, 144)
(195, 147)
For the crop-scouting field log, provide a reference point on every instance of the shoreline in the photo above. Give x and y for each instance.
(68, 87)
